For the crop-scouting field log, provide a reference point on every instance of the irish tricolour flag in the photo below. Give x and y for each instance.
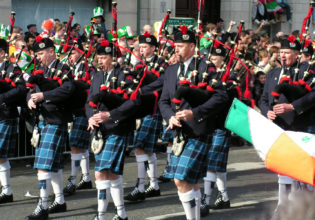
(285, 152)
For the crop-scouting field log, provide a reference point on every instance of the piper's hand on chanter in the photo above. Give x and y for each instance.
(92, 124)
(271, 115)
(101, 117)
(185, 115)
(31, 104)
(173, 122)
(283, 108)
(37, 97)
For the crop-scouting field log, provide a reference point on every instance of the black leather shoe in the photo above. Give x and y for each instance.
(135, 195)
(55, 207)
(4, 198)
(151, 192)
(84, 185)
(204, 207)
(117, 217)
(220, 204)
(163, 179)
(70, 188)
(38, 214)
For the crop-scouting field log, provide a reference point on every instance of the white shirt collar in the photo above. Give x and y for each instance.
(187, 62)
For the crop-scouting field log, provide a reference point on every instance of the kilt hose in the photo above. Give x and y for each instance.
(219, 151)
(49, 153)
(191, 165)
(150, 130)
(79, 136)
(111, 158)
(8, 137)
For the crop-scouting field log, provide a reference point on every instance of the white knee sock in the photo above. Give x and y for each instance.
(57, 185)
(44, 187)
(198, 201)
(117, 193)
(221, 184)
(283, 193)
(169, 151)
(5, 178)
(152, 172)
(75, 165)
(141, 160)
(85, 166)
(189, 203)
(285, 184)
(209, 182)
(103, 196)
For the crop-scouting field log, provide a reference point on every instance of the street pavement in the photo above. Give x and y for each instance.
(252, 190)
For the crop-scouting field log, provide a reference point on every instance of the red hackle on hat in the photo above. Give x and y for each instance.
(105, 43)
(147, 34)
(183, 29)
(292, 38)
(38, 39)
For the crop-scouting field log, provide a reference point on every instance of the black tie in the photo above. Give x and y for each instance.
(105, 77)
(181, 71)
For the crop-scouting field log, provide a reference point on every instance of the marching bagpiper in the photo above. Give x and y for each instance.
(79, 136)
(195, 124)
(53, 128)
(146, 138)
(12, 90)
(290, 114)
(218, 153)
(110, 156)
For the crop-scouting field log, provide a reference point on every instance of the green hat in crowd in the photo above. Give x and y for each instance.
(98, 12)
(125, 31)
(97, 30)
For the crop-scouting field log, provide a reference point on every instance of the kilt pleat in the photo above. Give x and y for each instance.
(48, 154)
(79, 136)
(191, 165)
(8, 137)
(219, 151)
(111, 158)
(150, 130)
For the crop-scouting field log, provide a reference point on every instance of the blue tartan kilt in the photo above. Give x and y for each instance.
(8, 137)
(191, 165)
(112, 156)
(149, 132)
(48, 154)
(219, 151)
(79, 136)
(167, 136)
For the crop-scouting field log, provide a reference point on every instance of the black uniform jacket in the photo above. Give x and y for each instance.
(205, 115)
(53, 107)
(118, 123)
(304, 107)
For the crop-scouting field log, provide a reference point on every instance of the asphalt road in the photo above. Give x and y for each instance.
(252, 190)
